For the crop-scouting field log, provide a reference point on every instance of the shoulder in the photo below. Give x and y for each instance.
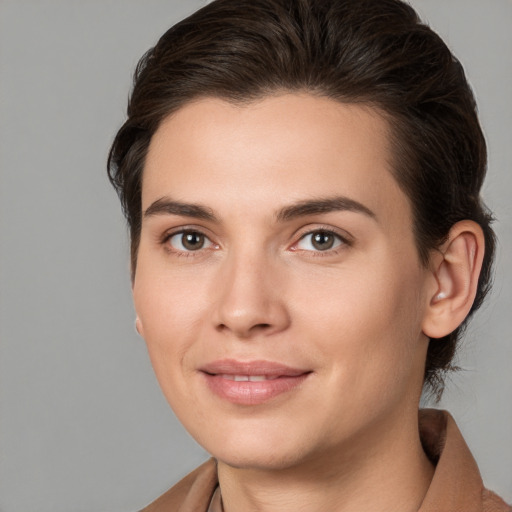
(192, 493)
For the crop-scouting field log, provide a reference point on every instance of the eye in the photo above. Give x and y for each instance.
(187, 241)
(319, 240)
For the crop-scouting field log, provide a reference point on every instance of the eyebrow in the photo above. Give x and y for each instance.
(167, 206)
(316, 206)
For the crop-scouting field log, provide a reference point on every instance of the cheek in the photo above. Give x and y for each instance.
(166, 300)
(169, 310)
(367, 323)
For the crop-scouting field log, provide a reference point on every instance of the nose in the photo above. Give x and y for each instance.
(249, 297)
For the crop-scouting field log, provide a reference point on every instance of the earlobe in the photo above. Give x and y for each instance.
(456, 268)
(138, 327)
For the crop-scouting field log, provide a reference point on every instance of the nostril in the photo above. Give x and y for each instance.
(244, 332)
(261, 326)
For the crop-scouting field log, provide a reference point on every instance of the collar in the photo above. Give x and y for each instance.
(457, 484)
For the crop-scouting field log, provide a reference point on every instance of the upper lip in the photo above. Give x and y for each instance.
(259, 367)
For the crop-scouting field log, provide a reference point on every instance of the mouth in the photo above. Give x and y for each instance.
(253, 382)
(247, 378)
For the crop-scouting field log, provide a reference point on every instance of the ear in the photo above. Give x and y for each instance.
(138, 327)
(455, 267)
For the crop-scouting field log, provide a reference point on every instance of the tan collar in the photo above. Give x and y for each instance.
(457, 484)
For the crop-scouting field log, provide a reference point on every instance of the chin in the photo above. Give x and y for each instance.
(270, 451)
(258, 460)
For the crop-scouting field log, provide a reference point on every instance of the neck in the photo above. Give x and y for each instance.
(386, 469)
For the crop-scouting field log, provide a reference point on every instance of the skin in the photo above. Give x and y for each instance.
(355, 316)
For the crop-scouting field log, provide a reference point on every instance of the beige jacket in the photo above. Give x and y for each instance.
(456, 487)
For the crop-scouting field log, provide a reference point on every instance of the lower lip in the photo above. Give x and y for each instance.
(252, 393)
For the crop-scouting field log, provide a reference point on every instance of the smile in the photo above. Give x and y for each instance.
(251, 383)
(247, 378)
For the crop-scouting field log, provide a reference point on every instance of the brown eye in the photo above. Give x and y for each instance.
(192, 241)
(319, 240)
(186, 241)
(322, 240)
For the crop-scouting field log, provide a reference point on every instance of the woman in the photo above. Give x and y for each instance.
(301, 179)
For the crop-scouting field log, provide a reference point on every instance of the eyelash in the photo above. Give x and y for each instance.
(342, 242)
(186, 253)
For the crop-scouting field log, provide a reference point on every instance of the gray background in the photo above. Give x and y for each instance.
(83, 425)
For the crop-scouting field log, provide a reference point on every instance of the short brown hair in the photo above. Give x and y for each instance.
(374, 52)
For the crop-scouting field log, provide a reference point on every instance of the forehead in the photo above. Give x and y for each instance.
(275, 150)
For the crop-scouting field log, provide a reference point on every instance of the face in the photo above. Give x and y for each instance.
(278, 286)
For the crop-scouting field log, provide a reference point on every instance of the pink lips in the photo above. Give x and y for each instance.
(251, 383)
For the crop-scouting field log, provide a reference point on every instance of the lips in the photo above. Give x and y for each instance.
(251, 383)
